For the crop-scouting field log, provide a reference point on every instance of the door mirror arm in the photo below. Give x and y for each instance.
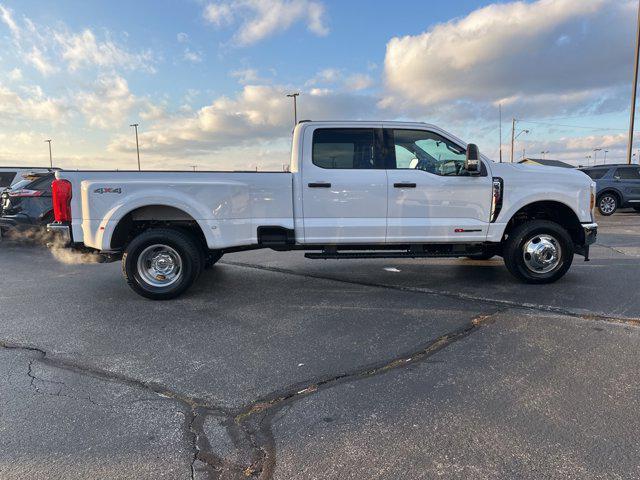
(472, 162)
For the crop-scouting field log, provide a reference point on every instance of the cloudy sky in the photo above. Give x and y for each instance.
(207, 80)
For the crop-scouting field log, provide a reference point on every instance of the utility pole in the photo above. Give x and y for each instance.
(605, 157)
(295, 106)
(634, 89)
(194, 167)
(513, 138)
(500, 115)
(135, 125)
(50, 157)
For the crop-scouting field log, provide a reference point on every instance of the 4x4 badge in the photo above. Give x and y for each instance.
(108, 190)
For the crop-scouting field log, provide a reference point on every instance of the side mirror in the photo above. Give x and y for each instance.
(472, 163)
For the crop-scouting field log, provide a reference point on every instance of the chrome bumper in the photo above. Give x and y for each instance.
(590, 233)
(61, 233)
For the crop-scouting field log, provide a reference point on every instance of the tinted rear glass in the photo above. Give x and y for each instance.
(628, 173)
(43, 184)
(344, 148)
(6, 178)
(596, 174)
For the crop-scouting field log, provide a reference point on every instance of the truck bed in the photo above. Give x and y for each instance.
(228, 206)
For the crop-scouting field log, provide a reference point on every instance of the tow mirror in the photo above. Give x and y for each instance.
(472, 163)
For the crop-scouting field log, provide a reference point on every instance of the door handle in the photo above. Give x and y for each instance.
(319, 185)
(404, 185)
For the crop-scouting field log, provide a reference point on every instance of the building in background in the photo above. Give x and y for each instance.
(547, 162)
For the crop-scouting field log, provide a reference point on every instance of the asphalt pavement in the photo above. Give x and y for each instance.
(274, 366)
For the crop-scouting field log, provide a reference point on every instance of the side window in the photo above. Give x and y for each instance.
(428, 151)
(628, 173)
(596, 174)
(6, 178)
(344, 148)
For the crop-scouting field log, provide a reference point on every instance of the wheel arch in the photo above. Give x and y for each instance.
(553, 210)
(141, 218)
(613, 191)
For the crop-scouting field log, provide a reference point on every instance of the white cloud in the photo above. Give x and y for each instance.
(259, 19)
(258, 113)
(358, 81)
(36, 58)
(192, 56)
(544, 52)
(83, 49)
(15, 75)
(7, 18)
(109, 104)
(246, 75)
(34, 105)
(182, 37)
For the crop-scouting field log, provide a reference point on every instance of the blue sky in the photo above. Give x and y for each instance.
(206, 79)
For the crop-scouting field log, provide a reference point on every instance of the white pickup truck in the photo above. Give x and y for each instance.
(355, 190)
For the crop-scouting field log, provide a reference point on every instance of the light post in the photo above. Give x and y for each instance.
(50, 156)
(605, 157)
(588, 157)
(595, 155)
(514, 138)
(544, 154)
(135, 126)
(634, 89)
(295, 106)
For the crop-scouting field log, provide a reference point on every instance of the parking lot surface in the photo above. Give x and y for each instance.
(274, 366)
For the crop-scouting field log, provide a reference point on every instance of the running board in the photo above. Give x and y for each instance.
(446, 252)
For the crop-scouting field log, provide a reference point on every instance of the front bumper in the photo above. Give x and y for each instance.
(590, 233)
(61, 234)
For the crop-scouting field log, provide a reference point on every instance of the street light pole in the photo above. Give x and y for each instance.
(634, 89)
(135, 125)
(500, 117)
(605, 157)
(595, 155)
(295, 106)
(513, 139)
(50, 156)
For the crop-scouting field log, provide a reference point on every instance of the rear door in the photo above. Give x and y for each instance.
(627, 180)
(431, 197)
(344, 186)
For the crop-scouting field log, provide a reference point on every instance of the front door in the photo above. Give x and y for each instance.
(431, 196)
(344, 186)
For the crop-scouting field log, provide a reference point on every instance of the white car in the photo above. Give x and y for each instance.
(355, 190)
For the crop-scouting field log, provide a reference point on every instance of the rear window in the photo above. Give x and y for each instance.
(344, 148)
(6, 178)
(628, 173)
(596, 174)
(43, 184)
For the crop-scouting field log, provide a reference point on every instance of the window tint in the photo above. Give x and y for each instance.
(43, 184)
(6, 178)
(596, 174)
(344, 148)
(628, 173)
(428, 151)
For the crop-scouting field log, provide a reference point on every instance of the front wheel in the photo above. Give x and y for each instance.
(161, 263)
(538, 251)
(607, 204)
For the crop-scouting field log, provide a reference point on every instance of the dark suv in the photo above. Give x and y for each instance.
(617, 186)
(28, 204)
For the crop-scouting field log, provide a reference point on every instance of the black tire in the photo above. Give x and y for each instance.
(481, 256)
(637, 209)
(182, 252)
(211, 258)
(608, 203)
(525, 235)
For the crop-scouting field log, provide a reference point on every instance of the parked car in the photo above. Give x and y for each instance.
(27, 205)
(355, 190)
(9, 176)
(617, 186)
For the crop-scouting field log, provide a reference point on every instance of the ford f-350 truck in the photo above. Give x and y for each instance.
(355, 190)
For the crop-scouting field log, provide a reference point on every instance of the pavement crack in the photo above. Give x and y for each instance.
(205, 463)
(257, 417)
(494, 302)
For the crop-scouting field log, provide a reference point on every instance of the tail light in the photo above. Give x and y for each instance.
(61, 193)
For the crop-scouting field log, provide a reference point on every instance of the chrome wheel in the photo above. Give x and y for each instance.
(607, 205)
(542, 253)
(159, 265)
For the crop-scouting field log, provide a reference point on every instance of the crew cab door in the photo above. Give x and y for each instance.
(344, 186)
(431, 196)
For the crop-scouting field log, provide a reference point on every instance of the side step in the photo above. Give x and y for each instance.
(439, 251)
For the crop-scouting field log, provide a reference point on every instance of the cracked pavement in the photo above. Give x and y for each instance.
(274, 366)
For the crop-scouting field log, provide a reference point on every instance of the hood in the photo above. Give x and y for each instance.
(521, 169)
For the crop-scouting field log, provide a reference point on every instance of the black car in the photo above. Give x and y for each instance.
(28, 204)
(617, 186)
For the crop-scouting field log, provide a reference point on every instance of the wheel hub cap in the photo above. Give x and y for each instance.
(159, 265)
(607, 204)
(542, 253)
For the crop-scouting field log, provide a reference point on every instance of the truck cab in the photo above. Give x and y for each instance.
(353, 190)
